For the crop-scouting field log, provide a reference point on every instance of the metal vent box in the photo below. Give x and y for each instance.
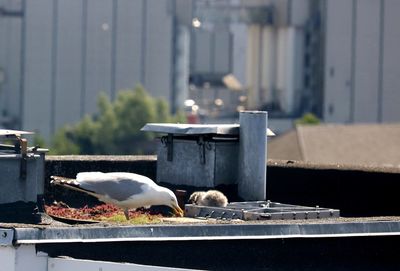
(193, 164)
(22, 169)
(197, 155)
(15, 187)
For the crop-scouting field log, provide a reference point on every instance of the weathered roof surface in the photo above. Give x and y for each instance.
(285, 146)
(364, 144)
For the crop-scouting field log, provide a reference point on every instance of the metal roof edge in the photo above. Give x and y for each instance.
(204, 232)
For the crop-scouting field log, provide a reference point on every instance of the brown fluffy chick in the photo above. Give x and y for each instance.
(212, 198)
(195, 197)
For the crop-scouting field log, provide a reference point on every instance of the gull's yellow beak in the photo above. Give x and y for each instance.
(177, 210)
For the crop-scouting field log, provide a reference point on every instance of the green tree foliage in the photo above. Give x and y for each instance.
(309, 119)
(116, 127)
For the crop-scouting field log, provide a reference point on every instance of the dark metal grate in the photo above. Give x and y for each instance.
(260, 210)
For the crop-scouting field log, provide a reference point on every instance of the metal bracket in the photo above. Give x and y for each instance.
(203, 146)
(168, 142)
(6, 237)
(24, 158)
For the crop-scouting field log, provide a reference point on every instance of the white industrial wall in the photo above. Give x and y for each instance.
(97, 69)
(158, 48)
(10, 59)
(211, 52)
(290, 51)
(391, 62)
(74, 49)
(338, 60)
(128, 55)
(366, 61)
(274, 59)
(362, 68)
(69, 70)
(37, 100)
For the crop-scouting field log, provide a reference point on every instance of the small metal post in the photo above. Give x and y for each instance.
(181, 197)
(168, 142)
(24, 158)
(252, 179)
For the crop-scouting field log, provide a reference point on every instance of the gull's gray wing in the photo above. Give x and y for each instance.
(115, 187)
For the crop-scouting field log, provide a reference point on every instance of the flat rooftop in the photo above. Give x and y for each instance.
(368, 230)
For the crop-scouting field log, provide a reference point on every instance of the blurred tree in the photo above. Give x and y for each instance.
(116, 127)
(39, 141)
(308, 118)
(62, 144)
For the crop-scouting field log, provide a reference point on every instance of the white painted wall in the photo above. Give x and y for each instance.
(25, 258)
(57, 264)
(7, 258)
(22, 258)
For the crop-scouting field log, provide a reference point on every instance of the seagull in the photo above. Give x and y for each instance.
(123, 189)
(213, 198)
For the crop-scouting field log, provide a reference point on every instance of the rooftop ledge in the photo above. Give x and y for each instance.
(271, 162)
(341, 227)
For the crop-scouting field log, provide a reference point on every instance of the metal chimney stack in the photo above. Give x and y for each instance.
(252, 179)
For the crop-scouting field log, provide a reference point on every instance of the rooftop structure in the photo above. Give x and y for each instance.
(366, 237)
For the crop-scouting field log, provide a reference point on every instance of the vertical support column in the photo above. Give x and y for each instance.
(252, 180)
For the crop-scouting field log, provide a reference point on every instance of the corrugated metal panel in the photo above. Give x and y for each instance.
(391, 62)
(37, 78)
(338, 60)
(129, 44)
(69, 63)
(366, 74)
(13, 67)
(3, 53)
(158, 65)
(98, 51)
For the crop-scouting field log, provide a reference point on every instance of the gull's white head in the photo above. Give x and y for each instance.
(167, 197)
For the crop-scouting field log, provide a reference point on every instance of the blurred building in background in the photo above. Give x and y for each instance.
(56, 56)
(337, 59)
